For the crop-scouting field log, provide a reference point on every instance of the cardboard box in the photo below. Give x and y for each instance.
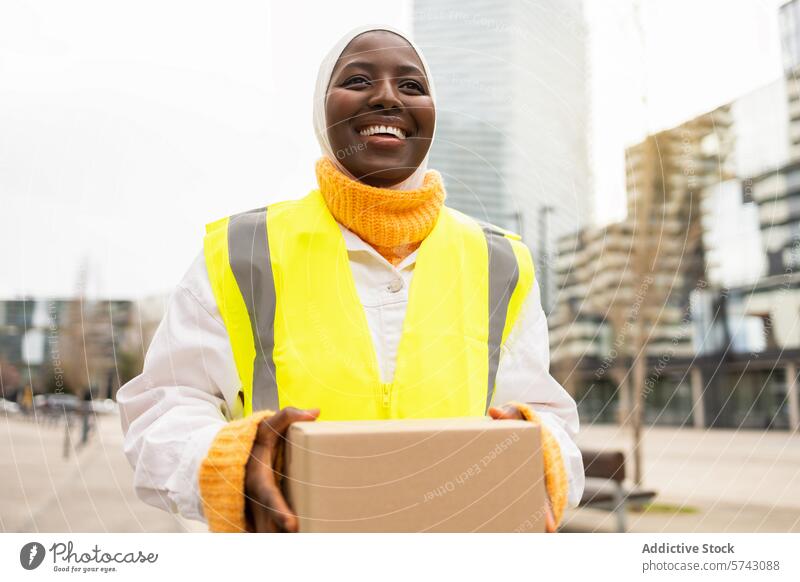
(438, 475)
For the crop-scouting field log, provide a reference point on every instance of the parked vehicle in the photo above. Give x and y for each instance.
(56, 402)
(8, 407)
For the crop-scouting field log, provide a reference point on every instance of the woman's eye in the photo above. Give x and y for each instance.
(412, 85)
(357, 80)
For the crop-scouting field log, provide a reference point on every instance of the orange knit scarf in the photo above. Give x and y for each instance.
(393, 222)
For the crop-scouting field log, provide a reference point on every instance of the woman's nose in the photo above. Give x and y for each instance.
(385, 93)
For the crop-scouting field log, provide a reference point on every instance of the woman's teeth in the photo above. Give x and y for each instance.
(373, 129)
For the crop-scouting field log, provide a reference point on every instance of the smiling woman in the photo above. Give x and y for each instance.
(378, 104)
(367, 299)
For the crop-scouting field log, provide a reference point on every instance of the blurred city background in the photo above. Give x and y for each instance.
(648, 152)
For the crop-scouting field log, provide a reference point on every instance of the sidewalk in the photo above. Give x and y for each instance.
(737, 481)
(90, 491)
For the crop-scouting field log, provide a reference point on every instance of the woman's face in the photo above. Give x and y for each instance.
(379, 111)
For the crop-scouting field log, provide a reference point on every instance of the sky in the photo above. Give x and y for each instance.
(126, 127)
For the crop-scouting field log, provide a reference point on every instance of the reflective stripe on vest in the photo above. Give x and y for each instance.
(282, 281)
(503, 277)
(248, 254)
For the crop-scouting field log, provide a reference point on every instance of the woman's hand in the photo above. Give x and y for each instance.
(505, 412)
(267, 509)
(511, 412)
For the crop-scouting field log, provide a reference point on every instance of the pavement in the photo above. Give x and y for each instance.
(721, 480)
(91, 490)
(724, 480)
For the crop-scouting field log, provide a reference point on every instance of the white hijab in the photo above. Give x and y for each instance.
(415, 180)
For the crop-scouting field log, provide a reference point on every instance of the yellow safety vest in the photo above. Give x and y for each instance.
(282, 280)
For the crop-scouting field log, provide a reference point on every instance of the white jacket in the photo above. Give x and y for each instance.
(171, 412)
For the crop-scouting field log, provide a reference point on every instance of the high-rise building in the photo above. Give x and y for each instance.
(775, 186)
(728, 249)
(646, 266)
(767, 309)
(722, 195)
(789, 19)
(511, 112)
(731, 234)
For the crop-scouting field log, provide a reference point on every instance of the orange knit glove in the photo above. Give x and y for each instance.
(555, 473)
(222, 474)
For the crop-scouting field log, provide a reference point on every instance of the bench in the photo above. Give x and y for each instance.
(605, 474)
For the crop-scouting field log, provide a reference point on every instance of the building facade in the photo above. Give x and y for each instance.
(701, 335)
(725, 346)
(67, 345)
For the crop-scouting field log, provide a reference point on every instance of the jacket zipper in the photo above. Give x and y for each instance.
(386, 392)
